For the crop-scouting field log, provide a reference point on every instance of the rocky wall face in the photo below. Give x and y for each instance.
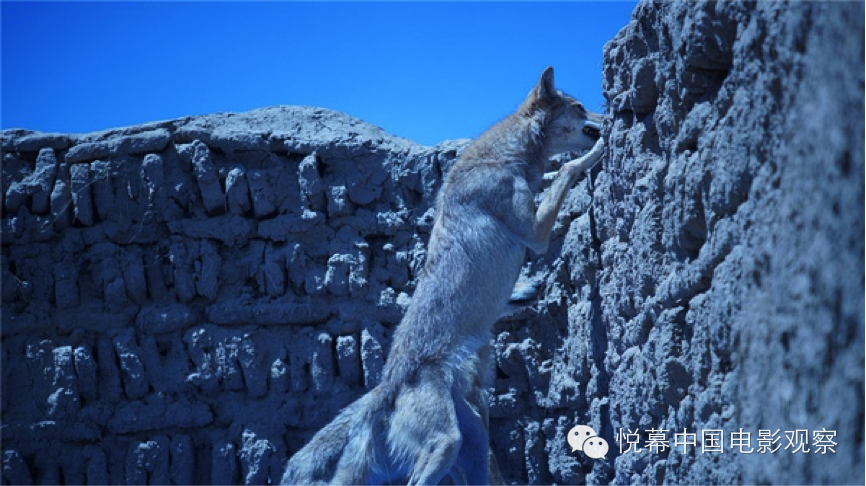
(730, 228)
(189, 301)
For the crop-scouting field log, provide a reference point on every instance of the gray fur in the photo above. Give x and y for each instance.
(427, 419)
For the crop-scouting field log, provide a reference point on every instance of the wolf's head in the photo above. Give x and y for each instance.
(568, 126)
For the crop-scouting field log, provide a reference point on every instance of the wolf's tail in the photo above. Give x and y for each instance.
(346, 451)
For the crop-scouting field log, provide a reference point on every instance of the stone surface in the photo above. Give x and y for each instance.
(177, 295)
(728, 231)
(189, 301)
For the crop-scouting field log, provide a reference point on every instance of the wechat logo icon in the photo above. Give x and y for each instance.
(583, 438)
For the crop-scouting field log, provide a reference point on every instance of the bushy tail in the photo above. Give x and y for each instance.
(345, 451)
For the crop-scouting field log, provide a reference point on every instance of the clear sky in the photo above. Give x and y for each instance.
(425, 71)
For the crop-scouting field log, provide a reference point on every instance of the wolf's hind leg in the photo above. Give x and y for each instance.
(436, 457)
(476, 463)
(424, 430)
(475, 448)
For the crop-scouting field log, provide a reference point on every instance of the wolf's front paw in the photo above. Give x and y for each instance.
(580, 165)
(525, 289)
(524, 294)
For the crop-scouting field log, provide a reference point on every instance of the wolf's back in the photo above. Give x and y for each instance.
(343, 451)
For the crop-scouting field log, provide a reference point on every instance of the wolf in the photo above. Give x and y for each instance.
(427, 419)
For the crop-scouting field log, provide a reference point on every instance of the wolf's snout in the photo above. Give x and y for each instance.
(592, 131)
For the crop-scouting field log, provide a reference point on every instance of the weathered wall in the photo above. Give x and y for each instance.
(730, 229)
(189, 301)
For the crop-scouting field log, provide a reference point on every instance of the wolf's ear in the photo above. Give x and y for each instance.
(544, 89)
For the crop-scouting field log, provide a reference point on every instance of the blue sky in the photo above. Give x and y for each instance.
(425, 71)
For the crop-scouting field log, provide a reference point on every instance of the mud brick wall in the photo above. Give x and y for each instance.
(189, 301)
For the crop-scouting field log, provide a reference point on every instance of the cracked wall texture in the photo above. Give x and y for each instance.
(730, 237)
(189, 301)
